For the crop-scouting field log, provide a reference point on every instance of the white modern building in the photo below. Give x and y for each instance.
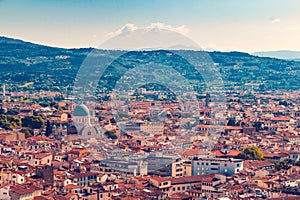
(211, 165)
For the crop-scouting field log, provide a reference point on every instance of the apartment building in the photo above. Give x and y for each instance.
(211, 165)
(181, 168)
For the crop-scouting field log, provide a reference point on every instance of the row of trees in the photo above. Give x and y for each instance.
(26, 124)
(9, 122)
(33, 122)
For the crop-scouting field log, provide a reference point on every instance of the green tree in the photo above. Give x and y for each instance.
(14, 120)
(284, 103)
(9, 122)
(112, 120)
(111, 135)
(258, 125)
(48, 129)
(285, 164)
(2, 111)
(251, 153)
(33, 122)
(44, 104)
(12, 112)
(231, 122)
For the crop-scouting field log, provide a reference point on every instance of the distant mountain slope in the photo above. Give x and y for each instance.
(283, 54)
(51, 68)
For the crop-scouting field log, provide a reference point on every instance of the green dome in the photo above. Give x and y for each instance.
(81, 110)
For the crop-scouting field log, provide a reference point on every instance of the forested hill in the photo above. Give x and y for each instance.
(50, 68)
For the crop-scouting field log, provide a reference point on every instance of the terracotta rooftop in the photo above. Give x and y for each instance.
(179, 196)
(192, 179)
(257, 163)
(24, 189)
(159, 179)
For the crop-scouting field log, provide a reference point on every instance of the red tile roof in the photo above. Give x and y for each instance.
(179, 196)
(192, 179)
(257, 163)
(159, 179)
(24, 189)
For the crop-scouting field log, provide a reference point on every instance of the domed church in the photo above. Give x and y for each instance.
(86, 125)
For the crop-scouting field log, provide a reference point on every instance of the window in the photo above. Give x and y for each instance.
(178, 188)
(238, 165)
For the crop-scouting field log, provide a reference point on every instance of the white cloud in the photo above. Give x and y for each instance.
(160, 26)
(127, 28)
(275, 21)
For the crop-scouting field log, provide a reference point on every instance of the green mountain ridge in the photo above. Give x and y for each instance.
(52, 68)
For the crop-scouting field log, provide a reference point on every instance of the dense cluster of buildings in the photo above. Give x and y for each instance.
(161, 150)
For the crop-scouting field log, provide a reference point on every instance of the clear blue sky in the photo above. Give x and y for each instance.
(219, 24)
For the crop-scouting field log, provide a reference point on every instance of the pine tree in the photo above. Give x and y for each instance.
(48, 129)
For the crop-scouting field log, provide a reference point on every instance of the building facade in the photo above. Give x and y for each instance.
(211, 165)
